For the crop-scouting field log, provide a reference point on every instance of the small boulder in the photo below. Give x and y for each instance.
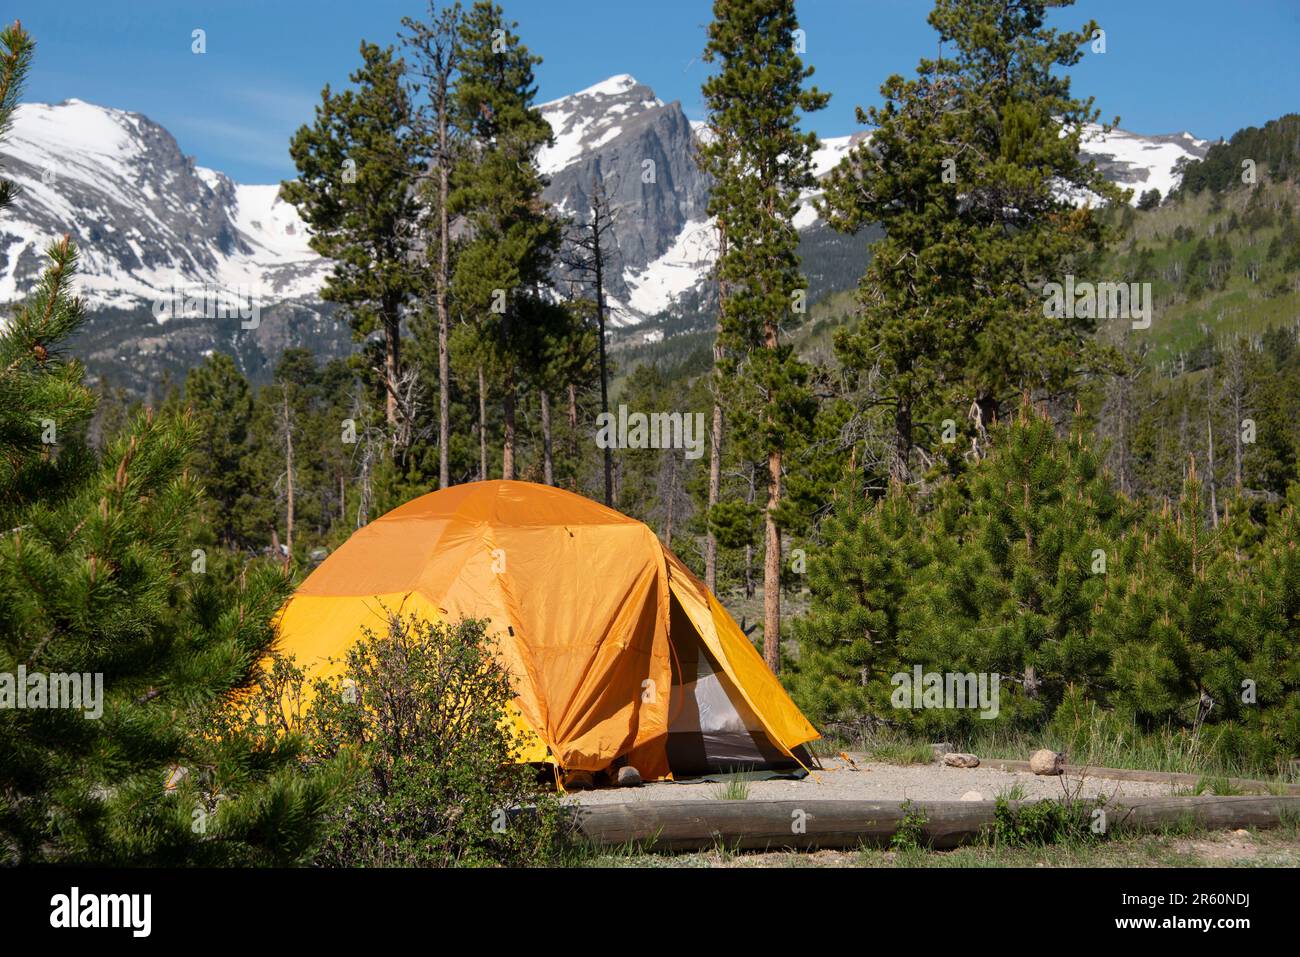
(972, 796)
(1045, 761)
(957, 759)
(578, 781)
(629, 777)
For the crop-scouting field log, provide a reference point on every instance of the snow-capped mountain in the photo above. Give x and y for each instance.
(151, 223)
(146, 219)
(642, 149)
(1139, 162)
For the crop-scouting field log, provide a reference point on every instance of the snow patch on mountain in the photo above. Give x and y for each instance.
(1139, 162)
(677, 271)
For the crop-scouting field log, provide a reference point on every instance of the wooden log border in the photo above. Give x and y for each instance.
(806, 825)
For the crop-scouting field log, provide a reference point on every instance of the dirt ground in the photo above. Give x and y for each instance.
(840, 781)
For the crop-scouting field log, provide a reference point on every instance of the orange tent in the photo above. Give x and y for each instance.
(620, 653)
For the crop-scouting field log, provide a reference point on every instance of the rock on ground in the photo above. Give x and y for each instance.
(1045, 761)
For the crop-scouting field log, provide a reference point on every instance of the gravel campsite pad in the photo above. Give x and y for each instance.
(840, 781)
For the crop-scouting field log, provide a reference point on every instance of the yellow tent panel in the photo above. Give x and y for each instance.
(620, 653)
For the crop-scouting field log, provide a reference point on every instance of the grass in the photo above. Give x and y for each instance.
(1105, 742)
(1176, 847)
(1016, 792)
(1219, 786)
(732, 788)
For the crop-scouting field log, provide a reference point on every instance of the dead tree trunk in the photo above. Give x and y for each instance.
(751, 586)
(1214, 497)
(287, 424)
(392, 366)
(586, 258)
(508, 430)
(573, 423)
(672, 499)
(436, 52)
(548, 471)
(482, 426)
(443, 281)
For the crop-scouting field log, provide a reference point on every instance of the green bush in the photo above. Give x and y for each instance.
(1042, 822)
(1105, 622)
(421, 710)
(911, 830)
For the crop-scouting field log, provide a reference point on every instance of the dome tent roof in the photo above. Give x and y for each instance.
(580, 599)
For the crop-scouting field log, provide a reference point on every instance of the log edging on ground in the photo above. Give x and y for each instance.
(803, 825)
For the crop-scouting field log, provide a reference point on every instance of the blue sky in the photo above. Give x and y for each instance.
(1170, 65)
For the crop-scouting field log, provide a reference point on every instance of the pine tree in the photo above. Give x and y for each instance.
(221, 405)
(1179, 656)
(1001, 571)
(104, 593)
(1271, 619)
(358, 163)
(873, 556)
(969, 171)
(761, 162)
(512, 239)
(1025, 549)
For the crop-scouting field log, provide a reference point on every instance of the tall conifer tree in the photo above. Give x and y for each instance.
(358, 163)
(972, 169)
(760, 162)
(512, 238)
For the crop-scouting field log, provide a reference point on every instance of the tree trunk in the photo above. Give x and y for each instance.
(672, 498)
(772, 568)
(715, 487)
(443, 279)
(765, 825)
(548, 471)
(573, 424)
(392, 365)
(772, 563)
(900, 466)
(482, 426)
(508, 430)
(1214, 491)
(1236, 433)
(288, 470)
(750, 584)
(715, 439)
(604, 371)
(987, 407)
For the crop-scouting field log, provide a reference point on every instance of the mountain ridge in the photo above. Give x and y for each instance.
(153, 224)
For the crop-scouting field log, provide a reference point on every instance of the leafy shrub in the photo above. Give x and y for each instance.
(422, 710)
(1042, 822)
(911, 830)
